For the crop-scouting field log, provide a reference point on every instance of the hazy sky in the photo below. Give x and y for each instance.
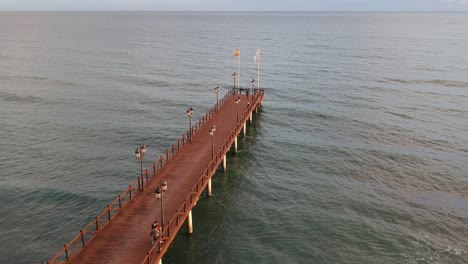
(238, 5)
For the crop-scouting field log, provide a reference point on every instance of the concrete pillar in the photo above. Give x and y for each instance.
(245, 128)
(208, 189)
(235, 145)
(250, 117)
(224, 163)
(189, 223)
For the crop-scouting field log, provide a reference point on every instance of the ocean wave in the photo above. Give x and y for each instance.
(437, 82)
(426, 248)
(400, 115)
(38, 81)
(14, 97)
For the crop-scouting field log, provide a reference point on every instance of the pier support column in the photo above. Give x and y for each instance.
(189, 223)
(208, 189)
(160, 261)
(250, 117)
(224, 163)
(235, 145)
(245, 129)
(256, 109)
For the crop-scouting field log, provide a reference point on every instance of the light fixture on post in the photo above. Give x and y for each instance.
(159, 193)
(253, 82)
(216, 89)
(237, 104)
(189, 114)
(212, 131)
(140, 153)
(234, 75)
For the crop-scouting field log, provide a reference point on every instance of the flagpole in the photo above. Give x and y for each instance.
(238, 72)
(258, 71)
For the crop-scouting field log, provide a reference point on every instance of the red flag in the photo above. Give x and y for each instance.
(237, 53)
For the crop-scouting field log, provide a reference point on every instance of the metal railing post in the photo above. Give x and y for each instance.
(66, 252)
(82, 237)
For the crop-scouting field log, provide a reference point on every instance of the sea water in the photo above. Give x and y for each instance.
(358, 155)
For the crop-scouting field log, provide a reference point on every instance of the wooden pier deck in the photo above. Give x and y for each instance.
(121, 233)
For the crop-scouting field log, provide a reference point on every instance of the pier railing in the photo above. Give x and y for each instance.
(171, 228)
(89, 232)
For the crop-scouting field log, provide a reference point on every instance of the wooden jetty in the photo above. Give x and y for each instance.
(121, 233)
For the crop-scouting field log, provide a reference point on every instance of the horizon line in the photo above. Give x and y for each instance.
(266, 11)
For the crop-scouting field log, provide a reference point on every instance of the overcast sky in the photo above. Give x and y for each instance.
(238, 5)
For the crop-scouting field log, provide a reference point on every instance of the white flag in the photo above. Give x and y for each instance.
(257, 56)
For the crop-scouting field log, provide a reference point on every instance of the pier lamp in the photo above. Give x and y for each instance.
(252, 82)
(140, 153)
(189, 114)
(212, 131)
(217, 89)
(159, 193)
(234, 75)
(237, 104)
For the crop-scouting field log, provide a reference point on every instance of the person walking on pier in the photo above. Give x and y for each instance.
(153, 234)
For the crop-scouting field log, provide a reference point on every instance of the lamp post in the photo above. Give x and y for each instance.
(216, 89)
(189, 114)
(252, 82)
(212, 131)
(159, 193)
(237, 104)
(234, 75)
(140, 153)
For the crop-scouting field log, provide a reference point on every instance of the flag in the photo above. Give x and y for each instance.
(237, 53)
(257, 56)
